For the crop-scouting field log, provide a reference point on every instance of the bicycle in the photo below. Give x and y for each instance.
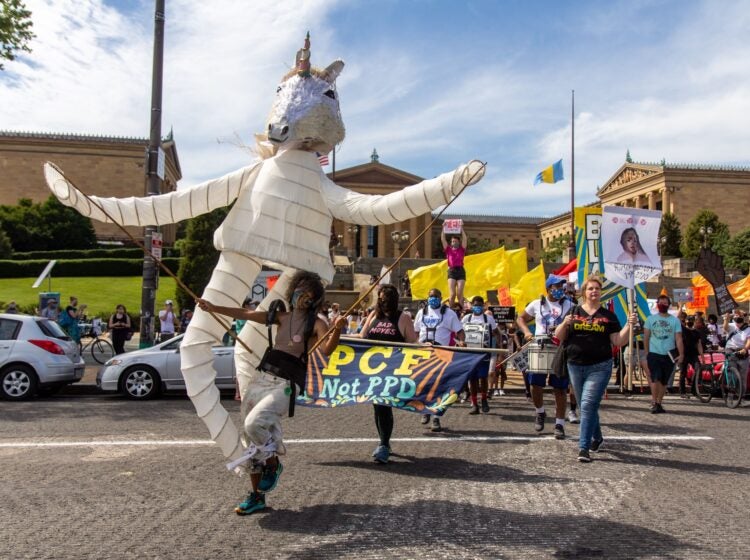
(101, 349)
(728, 380)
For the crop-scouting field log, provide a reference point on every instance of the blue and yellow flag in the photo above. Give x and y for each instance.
(552, 174)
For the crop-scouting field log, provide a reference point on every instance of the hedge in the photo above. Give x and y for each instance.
(80, 267)
(119, 253)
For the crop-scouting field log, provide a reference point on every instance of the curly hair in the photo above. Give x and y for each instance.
(311, 282)
(388, 306)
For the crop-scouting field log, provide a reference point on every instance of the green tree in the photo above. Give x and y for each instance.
(47, 226)
(478, 245)
(66, 228)
(737, 252)
(15, 29)
(6, 249)
(669, 233)
(694, 239)
(554, 251)
(199, 257)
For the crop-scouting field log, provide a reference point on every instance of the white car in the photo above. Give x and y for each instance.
(145, 374)
(36, 355)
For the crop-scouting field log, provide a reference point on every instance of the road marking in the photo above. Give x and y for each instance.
(436, 439)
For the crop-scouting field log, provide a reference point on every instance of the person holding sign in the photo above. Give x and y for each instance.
(455, 253)
(590, 332)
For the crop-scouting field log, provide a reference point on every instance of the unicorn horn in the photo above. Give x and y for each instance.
(303, 59)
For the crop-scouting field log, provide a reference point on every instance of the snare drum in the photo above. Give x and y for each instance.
(541, 354)
(475, 335)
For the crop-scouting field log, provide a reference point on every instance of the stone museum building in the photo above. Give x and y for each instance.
(101, 165)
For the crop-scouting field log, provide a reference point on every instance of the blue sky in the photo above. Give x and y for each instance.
(430, 84)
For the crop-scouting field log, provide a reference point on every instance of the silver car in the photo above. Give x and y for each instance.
(36, 355)
(145, 374)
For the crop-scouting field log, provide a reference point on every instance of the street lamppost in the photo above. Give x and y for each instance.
(399, 237)
(662, 242)
(340, 237)
(705, 233)
(354, 229)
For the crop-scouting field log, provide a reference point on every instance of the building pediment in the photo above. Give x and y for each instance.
(629, 173)
(375, 173)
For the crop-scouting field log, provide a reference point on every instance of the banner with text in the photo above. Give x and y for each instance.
(418, 379)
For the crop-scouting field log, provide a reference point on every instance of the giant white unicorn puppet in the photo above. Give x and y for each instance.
(282, 218)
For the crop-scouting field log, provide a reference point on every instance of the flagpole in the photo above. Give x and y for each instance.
(572, 172)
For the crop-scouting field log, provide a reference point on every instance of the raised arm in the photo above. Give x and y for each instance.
(443, 240)
(161, 209)
(233, 312)
(464, 239)
(409, 202)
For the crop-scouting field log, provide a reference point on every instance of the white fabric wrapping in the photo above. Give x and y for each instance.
(156, 210)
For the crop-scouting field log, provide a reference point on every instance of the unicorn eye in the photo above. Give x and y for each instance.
(278, 89)
(330, 93)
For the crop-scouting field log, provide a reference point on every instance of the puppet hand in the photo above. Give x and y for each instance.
(711, 266)
(468, 174)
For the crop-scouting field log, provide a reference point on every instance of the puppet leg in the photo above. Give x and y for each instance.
(230, 283)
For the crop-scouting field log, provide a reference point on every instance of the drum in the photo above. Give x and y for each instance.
(475, 335)
(541, 354)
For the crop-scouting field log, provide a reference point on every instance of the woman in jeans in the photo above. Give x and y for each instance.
(590, 331)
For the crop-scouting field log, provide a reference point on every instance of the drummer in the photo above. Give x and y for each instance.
(547, 312)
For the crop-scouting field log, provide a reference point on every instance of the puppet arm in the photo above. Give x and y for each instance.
(410, 202)
(155, 210)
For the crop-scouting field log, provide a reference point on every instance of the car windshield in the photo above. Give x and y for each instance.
(172, 344)
(50, 328)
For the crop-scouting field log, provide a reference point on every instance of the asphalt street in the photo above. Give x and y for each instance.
(92, 476)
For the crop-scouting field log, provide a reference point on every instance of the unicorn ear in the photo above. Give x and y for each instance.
(333, 70)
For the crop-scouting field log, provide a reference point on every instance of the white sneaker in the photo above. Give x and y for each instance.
(500, 392)
(572, 417)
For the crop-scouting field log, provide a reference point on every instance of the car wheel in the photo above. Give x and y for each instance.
(18, 382)
(140, 383)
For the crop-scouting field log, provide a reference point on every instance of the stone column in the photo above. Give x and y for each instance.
(426, 219)
(652, 200)
(665, 201)
(412, 236)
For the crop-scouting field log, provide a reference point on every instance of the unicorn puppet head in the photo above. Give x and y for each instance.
(306, 113)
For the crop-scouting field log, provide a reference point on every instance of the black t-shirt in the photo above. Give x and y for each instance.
(588, 338)
(690, 338)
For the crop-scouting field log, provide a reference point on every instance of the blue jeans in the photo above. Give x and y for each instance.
(589, 384)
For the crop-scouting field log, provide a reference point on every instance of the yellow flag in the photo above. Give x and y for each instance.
(484, 272)
(528, 288)
(518, 264)
(425, 278)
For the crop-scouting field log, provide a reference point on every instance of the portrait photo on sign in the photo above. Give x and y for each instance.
(630, 244)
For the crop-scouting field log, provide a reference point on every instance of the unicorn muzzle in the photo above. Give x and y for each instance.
(278, 132)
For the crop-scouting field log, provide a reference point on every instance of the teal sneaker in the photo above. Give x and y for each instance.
(255, 501)
(270, 477)
(381, 454)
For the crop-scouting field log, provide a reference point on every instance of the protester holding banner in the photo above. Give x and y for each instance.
(482, 338)
(278, 378)
(437, 324)
(662, 334)
(590, 331)
(547, 312)
(388, 324)
(455, 253)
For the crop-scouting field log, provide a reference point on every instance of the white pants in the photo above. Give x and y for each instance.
(266, 400)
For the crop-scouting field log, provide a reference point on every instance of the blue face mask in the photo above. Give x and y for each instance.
(477, 309)
(295, 297)
(433, 302)
(557, 293)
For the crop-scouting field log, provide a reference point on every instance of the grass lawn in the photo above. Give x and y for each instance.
(102, 293)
